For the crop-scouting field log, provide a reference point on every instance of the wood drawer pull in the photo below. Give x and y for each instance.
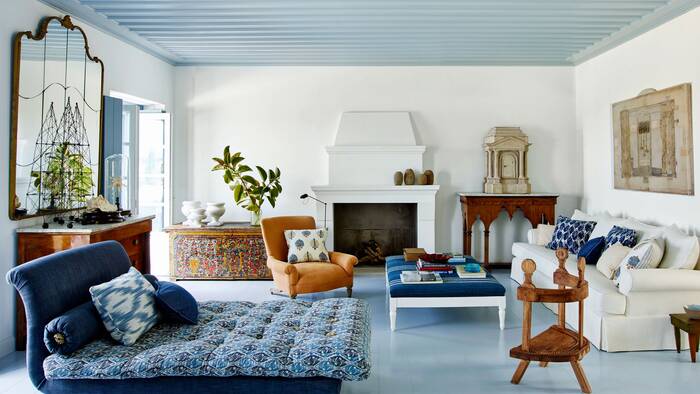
(135, 242)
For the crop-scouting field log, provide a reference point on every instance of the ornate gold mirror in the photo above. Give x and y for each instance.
(56, 138)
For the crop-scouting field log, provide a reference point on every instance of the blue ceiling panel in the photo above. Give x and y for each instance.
(376, 32)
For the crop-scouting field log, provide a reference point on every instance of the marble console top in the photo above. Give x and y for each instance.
(55, 228)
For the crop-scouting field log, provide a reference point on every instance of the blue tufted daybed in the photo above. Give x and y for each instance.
(287, 346)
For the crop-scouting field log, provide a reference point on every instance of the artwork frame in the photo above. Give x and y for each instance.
(653, 141)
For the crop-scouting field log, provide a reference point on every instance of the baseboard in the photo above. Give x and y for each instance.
(7, 346)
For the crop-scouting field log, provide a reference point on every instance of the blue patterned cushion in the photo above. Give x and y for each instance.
(126, 305)
(285, 338)
(621, 235)
(306, 245)
(570, 234)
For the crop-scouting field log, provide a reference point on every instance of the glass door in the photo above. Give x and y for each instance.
(154, 167)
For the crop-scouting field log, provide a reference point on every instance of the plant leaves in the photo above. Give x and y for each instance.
(262, 172)
(271, 200)
(244, 168)
(250, 179)
(237, 193)
(227, 154)
(277, 172)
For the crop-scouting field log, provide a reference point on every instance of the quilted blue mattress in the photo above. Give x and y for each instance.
(452, 286)
(286, 338)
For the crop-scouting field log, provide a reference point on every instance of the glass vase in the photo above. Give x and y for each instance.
(255, 218)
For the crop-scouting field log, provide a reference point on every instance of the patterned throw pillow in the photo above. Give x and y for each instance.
(570, 234)
(647, 254)
(306, 245)
(621, 235)
(126, 305)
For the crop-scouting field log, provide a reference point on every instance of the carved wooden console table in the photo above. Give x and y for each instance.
(537, 208)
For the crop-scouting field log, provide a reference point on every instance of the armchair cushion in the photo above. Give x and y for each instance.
(306, 245)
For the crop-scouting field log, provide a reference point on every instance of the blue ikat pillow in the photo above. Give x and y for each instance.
(126, 305)
(570, 234)
(621, 235)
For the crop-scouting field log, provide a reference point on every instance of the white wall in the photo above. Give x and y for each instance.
(285, 116)
(660, 58)
(126, 69)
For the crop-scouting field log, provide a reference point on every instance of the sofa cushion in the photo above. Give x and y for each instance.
(621, 235)
(286, 338)
(604, 222)
(643, 230)
(592, 250)
(126, 305)
(570, 234)
(545, 232)
(603, 296)
(611, 259)
(682, 250)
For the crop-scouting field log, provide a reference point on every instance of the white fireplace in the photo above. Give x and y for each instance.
(369, 148)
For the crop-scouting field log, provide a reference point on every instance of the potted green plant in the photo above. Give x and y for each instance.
(249, 192)
(66, 180)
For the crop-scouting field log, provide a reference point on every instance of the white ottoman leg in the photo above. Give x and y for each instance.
(502, 315)
(392, 314)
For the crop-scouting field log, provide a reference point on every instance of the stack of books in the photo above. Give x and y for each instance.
(471, 271)
(415, 277)
(440, 268)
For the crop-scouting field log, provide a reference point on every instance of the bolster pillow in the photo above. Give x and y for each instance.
(70, 331)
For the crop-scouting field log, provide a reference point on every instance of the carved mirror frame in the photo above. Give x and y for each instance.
(66, 23)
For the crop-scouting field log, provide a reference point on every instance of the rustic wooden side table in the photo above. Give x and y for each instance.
(680, 322)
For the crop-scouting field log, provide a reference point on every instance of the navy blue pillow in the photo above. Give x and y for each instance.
(70, 331)
(592, 250)
(176, 304)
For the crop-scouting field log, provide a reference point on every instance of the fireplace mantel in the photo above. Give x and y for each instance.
(422, 196)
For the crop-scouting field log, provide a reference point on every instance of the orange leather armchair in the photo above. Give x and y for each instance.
(302, 278)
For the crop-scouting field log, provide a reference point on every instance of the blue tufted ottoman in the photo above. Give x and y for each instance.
(454, 292)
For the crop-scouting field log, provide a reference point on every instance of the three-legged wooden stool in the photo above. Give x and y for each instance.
(557, 343)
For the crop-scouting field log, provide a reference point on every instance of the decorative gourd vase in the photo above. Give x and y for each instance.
(398, 178)
(187, 207)
(431, 177)
(409, 177)
(255, 217)
(421, 179)
(215, 210)
(195, 217)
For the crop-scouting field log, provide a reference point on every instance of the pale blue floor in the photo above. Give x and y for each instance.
(439, 351)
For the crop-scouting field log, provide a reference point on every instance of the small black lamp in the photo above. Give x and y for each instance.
(325, 205)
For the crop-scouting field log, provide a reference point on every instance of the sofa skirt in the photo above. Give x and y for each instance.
(194, 384)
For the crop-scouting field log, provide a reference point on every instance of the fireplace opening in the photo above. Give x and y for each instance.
(374, 231)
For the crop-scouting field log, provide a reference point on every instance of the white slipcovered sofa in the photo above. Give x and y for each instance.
(637, 319)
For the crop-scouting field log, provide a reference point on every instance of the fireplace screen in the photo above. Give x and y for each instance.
(373, 231)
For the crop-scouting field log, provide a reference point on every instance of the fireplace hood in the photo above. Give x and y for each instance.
(369, 148)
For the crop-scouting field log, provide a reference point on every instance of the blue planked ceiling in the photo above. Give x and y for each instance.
(376, 32)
